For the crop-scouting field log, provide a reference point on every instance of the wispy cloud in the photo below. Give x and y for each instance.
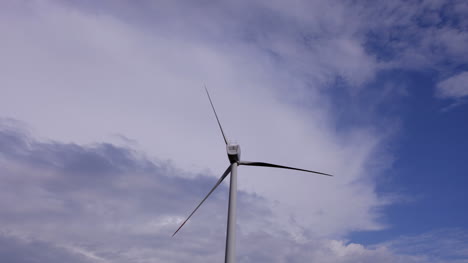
(455, 87)
(439, 245)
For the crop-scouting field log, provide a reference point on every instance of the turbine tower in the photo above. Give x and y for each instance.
(233, 152)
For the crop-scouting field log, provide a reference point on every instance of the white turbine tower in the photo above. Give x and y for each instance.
(233, 152)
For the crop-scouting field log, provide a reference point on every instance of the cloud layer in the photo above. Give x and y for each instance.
(85, 72)
(104, 203)
(108, 71)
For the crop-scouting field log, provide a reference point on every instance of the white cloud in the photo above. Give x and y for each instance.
(79, 76)
(454, 87)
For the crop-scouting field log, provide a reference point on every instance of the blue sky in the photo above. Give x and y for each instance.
(107, 139)
(430, 164)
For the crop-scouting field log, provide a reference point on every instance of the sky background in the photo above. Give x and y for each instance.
(107, 139)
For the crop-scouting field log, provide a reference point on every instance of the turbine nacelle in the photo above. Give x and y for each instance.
(233, 152)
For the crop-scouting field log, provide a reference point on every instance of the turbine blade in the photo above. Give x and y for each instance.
(228, 170)
(278, 166)
(221, 128)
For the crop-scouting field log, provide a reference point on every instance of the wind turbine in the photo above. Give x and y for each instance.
(233, 152)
